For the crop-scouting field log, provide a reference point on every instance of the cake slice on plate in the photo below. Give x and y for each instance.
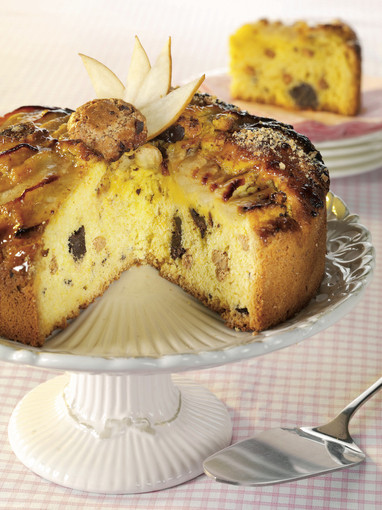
(298, 66)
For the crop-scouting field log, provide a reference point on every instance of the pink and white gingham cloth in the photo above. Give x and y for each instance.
(305, 384)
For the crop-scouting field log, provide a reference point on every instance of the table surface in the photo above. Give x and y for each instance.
(305, 384)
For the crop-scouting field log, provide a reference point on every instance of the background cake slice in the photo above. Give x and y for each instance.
(229, 206)
(297, 66)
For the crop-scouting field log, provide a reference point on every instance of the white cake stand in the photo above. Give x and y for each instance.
(118, 422)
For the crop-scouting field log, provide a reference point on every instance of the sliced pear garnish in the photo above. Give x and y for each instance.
(147, 89)
(106, 84)
(160, 114)
(138, 70)
(157, 82)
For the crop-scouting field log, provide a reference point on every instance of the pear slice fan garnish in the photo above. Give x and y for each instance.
(148, 88)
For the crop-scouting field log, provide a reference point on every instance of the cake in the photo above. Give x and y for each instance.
(229, 206)
(297, 66)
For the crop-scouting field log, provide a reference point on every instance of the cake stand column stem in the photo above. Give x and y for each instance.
(107, 403)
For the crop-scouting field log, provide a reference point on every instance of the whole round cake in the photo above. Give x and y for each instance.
(229, 206)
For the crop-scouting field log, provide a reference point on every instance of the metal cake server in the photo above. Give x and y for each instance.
(283, 455)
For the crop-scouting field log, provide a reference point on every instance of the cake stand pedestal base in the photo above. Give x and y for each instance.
(118, 433)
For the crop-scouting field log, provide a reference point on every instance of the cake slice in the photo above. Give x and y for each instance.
(297, 66)
(229, 206)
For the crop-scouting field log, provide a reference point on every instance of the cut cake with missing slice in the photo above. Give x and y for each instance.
(229, 206)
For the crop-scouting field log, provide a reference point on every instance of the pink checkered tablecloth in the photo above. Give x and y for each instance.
(304, 384)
